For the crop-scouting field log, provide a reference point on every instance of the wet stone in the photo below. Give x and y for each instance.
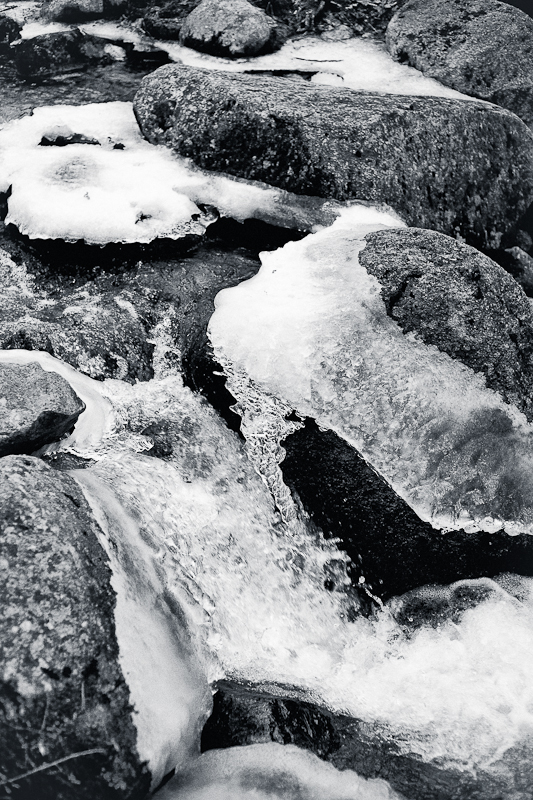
(36, 408)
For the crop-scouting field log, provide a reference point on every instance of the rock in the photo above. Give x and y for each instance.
(94, 327)
(164, 22)
(63, 695)
(460, 301)
(72, 10)
(36, 408)
(245, 715)
(337, 143)
(51, 54)
(519, 264)
(9, 31)
(483, 48)
(232, 28)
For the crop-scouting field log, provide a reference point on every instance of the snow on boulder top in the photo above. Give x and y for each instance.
(86, 173)
(358, 64)
(311, 330)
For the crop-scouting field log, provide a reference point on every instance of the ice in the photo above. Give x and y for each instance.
(444, 673)
(35, 28)
(271, 772)
(107, 184)
(311, 330)
(21, 10)
(359, 64)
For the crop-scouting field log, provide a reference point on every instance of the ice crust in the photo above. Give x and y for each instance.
(311, 330)
(117, 187)
(271, 772)
(359, 64)
(452, 683)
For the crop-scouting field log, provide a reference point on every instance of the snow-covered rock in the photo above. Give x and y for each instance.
(311, 332)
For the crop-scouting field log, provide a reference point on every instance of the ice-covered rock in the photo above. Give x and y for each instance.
(270, 772)
(36, 408)
(360, 64)
(483, 48)
(311, 331)
(109, 185)
(331, 142)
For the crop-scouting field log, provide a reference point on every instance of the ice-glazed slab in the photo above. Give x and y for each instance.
(86, 173)
(311, 331)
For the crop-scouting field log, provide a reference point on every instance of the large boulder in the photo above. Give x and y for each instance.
(98, 672)
(72, 10)
(63, 694)
(337, 143)
(36, 408)
(9, 31)
(232, 28)
(483, 48)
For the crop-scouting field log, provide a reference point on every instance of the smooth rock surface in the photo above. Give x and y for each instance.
(337, 143)
(480, 47)
(62, 691)
(232, 28)
(36, 408)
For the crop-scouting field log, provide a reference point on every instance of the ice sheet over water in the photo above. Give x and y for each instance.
(445, 673)
(105, 183)
(271, 772)
(311, 330)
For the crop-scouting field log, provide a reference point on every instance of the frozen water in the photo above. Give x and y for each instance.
(107, 184)
(311, 330)
(271, 772)
(359, 64)
(452, 683)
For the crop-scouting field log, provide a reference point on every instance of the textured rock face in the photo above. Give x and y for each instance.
(337, 143)
(36, 408)
(165, 21)
(9, 31)
(460, 301)
(483, 48)
(62, 692)
(229, 28)
(93, 327)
